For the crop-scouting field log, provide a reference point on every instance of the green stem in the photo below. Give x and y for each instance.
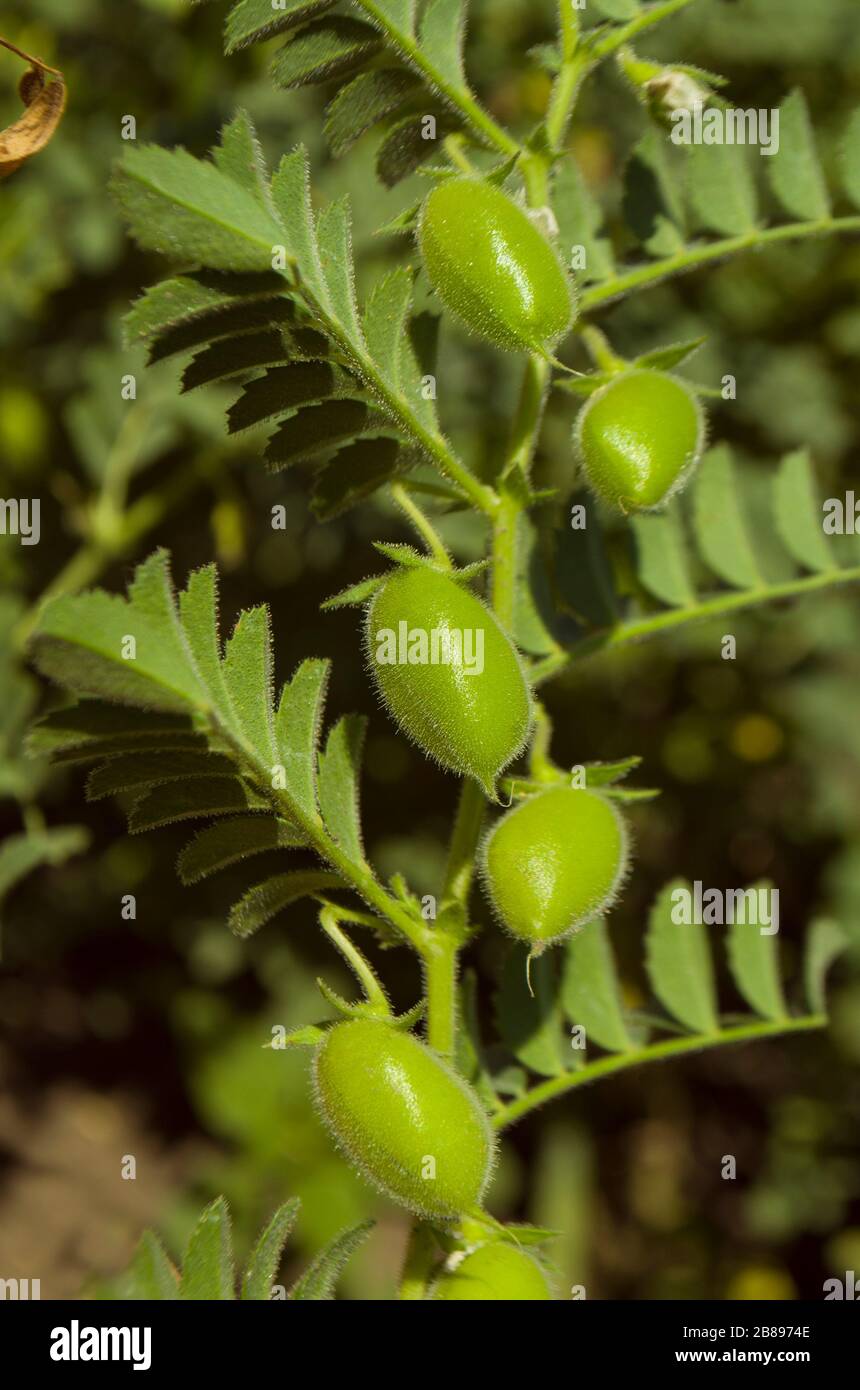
(526, 424)
(439, 956)
(372, 988)
(643, 628)
(456, 93)
(620, 1061)
(418, 1266)
(617, 38)
(422, 525)
(690, 259)
(505, 559)
(464, 840)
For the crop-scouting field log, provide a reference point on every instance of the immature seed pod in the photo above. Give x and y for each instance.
(409, 1123)
(638, 438)
(448, 673)
(492, 267)
(498, 1271)
(553, 862)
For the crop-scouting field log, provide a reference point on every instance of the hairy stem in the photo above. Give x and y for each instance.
(644, 276)
(439, 956)
(417, 1267)
(640, 629)
(620, 1061)
(422, 525)
(464, 841)
(456, 94)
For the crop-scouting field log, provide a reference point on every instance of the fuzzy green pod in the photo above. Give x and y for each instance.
(409, 1123)
(498, 1271)
(553, 862)
(447, 672)
(491, 266)
(638, 439)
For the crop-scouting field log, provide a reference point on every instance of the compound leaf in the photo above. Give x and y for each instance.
(590, 990)
(798, 514)
(266, 1256)
(207, 1270)
(754, 962)
(679, 964)
(796, 176)
(317, 1284)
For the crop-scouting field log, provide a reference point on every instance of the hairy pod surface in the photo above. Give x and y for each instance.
(413, 1127)
(553, 862)
(497, 1271)
(491, 266)
(638, 439)
(448, 673)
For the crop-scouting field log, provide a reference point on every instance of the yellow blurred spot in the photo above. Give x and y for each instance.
(761, 1282)
(228, 532)
(23, 427)
(534, 92)
(687, 755)
(594, 155)
(755, 738)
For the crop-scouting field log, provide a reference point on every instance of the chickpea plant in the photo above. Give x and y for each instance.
(186, 727)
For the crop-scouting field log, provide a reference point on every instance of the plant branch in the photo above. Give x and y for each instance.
(417, 1267)
(641, 629)
(422, 525)
(621, 1061)
(457, 96)
(617, 38)
(644, 276)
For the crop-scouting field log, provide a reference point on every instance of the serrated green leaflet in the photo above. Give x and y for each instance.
(262, 902)
(679, 962)
(326, 49)
(200, 798)
(266, 1256)
(151, 1276)
(590, 991)
(207, 1269)
(367, 99)
(719, 523)
(338, 784)
(229, 841)
(753, 952)
(252, 21)
(795, 172)
(662, 562)
(248, 677)
(280, 390)
(317, 1284)
(798, 514)
(441, 37)
(334, 238)
(297, 730)
(186, 208)
(131, 771)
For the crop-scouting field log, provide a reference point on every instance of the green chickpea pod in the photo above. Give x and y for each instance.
(413, 1127)
(492, 267)
(553, 862)
(638, 438)
(469, 709)
(498, 1271)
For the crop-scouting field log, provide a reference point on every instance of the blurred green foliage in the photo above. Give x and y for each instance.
(759, 759)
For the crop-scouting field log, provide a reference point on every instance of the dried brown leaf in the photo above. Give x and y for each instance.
(45, 103)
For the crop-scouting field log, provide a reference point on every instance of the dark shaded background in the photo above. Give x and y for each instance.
(144, 1037)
